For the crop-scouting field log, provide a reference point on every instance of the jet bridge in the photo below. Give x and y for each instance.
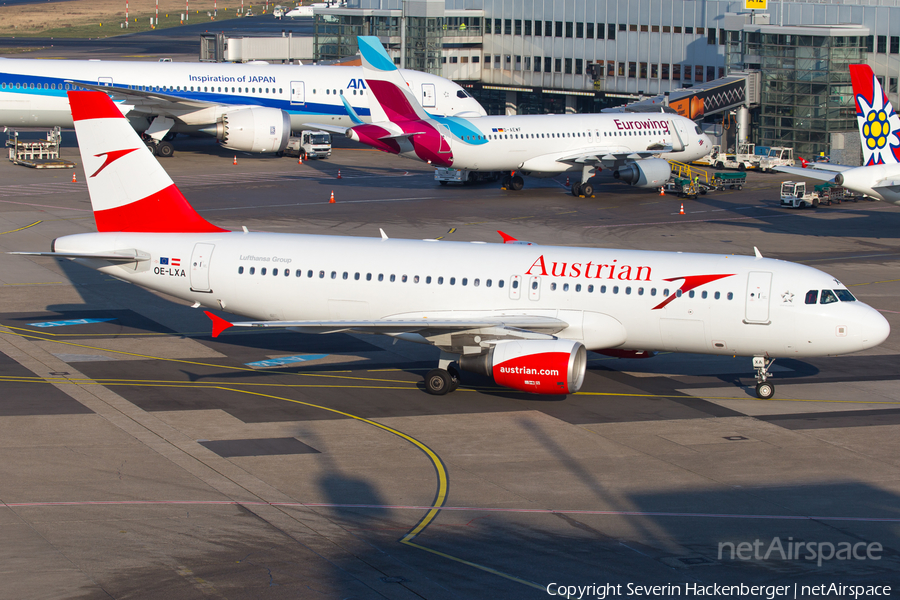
(740, 88)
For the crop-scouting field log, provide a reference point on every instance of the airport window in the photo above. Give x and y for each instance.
(274, 271)
(676, 72)
(689, 30)
(500, 283)
(496, 61)
(527, 63)
(579, 66)
(698, 73)
(643, 70)
(507, 26)
(393, 278)
(632, 28)
(453, 59)
(487, 59)
(547, 65)
(664, 71)
(518, 63)
(538, 28)
(654, 71)
(548, 28)
(518, 27)
(569, 25)
(508, 61)
(558, 65)
(528, 24)
(559, 29)
(676, 29)
(710, 73)
(568, 66)
(579, 29)
(882, 44)
(240, 270)
(403, 278)
(589, 32)
(711, 36)
(632, 69)
(687, 72)
(895, 44)
(475, 59)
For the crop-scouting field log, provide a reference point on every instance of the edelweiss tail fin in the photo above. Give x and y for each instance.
(129, 189)
(879, 125)
(394, 101)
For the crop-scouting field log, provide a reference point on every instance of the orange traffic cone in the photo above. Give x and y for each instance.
(339, 174)
(299, 159)
(73, 177)
(235, 160)
(332, 198)
(681, 212)
(662, 191)
(567, 182)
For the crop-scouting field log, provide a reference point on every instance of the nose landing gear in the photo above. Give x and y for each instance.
(764, 389)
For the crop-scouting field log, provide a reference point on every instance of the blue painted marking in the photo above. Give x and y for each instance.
(353, 116)
(70, 322)
(285, 360)
(373, 53)
(461, 129)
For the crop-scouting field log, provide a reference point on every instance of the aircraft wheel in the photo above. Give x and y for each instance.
(720, 165)
(165, 149)
(576, 189)
(587, 190)
(472, 177)
(443, 182)
(438, 382)
(169, 136)
(517, 183)
(765, 390)
(507, 180)
(742, 167)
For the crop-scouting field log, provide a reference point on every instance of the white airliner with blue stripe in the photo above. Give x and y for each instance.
(248, 107)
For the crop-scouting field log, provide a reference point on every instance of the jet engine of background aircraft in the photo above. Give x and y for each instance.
(253, 129)
(649, 173)
(540, 366)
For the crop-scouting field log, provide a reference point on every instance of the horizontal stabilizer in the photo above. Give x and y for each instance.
(122, 257)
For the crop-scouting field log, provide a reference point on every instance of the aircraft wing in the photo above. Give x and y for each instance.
(812, 173)
(325, 127)
(165, 103)
(610, 157)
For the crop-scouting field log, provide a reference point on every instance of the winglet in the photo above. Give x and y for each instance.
(803, 162)
(507, 239)
(384, 236)
(757, 252)
(218, 323)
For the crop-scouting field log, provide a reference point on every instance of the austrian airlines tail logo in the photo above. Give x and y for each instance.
(111, 157)
(690, 282)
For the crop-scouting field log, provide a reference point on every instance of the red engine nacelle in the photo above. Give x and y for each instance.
(538, 366)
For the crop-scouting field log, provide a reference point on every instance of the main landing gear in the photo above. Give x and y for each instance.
(764, 389)
(584, 187)
(445, 378)
(513, 182)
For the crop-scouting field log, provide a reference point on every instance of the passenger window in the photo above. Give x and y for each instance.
(500, 283)
(652, 291)
(578, 287)
(274, 271)
(465, 281)
(730, 295)
(287, 272)
(591, 289)
(299, 273)
(615, 289)
(403, 279)
(515, 284)
(334, 274)
(262, 271)
(428, 279)
(356, 276)
(321, 274)
(640, 291)
(440, 281)
(691, 294)
(666, 292)
(628, 291)
(344, 276)
(827, 297)
(718, 295)
(380, 277)
(678, 293)
(240, 270)
(845, 296)
(309, 273)
(393, 278)
(704, 295)
(488, 283)
(602, 289)
(476, 282)
(415, 279)
(368, 277)
(534, 285)
(252, 270)
(565, 287)
(552, 287)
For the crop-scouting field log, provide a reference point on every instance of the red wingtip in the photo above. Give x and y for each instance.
(506, 238)
(218, 323)
(92, 105)
(803, 162)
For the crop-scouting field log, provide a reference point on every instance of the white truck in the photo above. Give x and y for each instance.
(310, 144)
(745, 158)
(795, 195)
(777, 157)
(445, 175)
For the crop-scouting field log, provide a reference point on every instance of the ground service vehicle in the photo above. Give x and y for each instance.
(795, 195)
(777, 157)
(445, 175)
(310, 144)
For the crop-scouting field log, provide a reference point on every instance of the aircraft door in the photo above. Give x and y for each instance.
(515, 287)
(104, 81)
(444, 146)
(298, 92)
(534, 288)
(200, 259)
(428, 95)
(759, 285)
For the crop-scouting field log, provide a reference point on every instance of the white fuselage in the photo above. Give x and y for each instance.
(609, 298)
(536, 144)
(878, 181)
(33, 92)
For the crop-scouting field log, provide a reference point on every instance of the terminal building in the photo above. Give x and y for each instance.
(554, 56)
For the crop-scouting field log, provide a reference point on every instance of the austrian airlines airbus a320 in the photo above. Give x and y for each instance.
(635, 146)
(523, 314)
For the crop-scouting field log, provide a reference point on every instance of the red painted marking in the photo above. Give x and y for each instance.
(111, 157)
(166, 211)
(218, 323)
(690, 282)
(543, 373)
(507, 238)
(92, 105)
(393, 101)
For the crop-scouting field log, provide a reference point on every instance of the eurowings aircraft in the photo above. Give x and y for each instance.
(635, 146)
(520, 313)
(879, 132)
(247, 107)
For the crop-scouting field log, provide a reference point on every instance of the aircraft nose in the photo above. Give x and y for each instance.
(876, 329)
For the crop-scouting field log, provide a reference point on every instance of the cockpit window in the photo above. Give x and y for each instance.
(828, 297)
(812, 296)
(460, 94)
(845, 296)
(697, 129)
